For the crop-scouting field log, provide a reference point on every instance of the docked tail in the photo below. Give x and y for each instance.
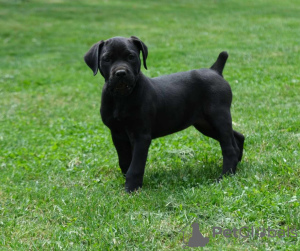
(218, 66)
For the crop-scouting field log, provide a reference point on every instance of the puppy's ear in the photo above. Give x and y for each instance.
(92, 56)
(142, 47)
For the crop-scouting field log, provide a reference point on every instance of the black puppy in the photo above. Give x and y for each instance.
(138, 109)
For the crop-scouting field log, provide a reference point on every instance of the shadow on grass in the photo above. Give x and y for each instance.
(185, 175)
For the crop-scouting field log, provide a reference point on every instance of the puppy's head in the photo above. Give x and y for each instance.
(118, 60)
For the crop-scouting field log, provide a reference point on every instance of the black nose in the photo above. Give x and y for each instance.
(120, 73)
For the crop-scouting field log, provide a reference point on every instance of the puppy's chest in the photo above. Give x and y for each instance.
(117, 114)
(120, 113)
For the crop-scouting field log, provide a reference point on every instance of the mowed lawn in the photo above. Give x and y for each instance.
(60, 184)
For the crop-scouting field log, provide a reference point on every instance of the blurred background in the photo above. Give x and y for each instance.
(60, 185)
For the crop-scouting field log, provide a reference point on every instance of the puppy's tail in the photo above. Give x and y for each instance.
(218, 66)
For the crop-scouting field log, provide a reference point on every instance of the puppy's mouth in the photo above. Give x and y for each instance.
(122, 86)
(122, 89)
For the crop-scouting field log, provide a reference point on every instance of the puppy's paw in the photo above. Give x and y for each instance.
(131, 189)
(219, 179)
(226, 174)
(133, 183)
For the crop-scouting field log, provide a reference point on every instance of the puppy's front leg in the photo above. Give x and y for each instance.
(123, 147)
(135, 173)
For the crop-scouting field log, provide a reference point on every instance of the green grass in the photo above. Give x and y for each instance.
(60, 185)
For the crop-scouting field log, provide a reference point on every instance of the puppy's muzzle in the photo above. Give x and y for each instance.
(121, 73)
(121, 82)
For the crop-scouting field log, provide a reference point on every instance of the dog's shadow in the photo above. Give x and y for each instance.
(185, 175)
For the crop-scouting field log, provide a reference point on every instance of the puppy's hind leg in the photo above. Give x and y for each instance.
(239, 138)
(221, 121)
(218, 125)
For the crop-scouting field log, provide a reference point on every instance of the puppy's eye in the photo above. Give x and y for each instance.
(106, 59)
(131, 57)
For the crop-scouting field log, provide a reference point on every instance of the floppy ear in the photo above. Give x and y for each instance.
(142, 47)
(92, 56)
